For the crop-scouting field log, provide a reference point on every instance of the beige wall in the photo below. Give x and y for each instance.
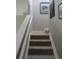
(40, 21)
(19, 20)
(21, 12)
(56, 29)
(21, 7)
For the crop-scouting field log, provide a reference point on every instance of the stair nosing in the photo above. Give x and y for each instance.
(40, 40)
(40, 47)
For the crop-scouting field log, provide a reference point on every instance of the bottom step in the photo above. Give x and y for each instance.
(41, 57)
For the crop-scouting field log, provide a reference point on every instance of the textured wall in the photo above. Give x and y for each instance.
(56, 29)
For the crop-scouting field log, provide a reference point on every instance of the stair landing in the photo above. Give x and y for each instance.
(38, 33)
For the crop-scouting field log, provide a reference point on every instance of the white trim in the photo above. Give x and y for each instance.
(27, 48)
(54, 48)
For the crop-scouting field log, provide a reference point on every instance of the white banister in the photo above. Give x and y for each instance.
(25, 43)
(21, 33)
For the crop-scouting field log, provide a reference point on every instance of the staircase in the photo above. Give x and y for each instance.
(39, 46)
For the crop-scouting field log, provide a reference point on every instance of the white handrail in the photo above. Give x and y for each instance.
(21, 32)
(24, 49)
